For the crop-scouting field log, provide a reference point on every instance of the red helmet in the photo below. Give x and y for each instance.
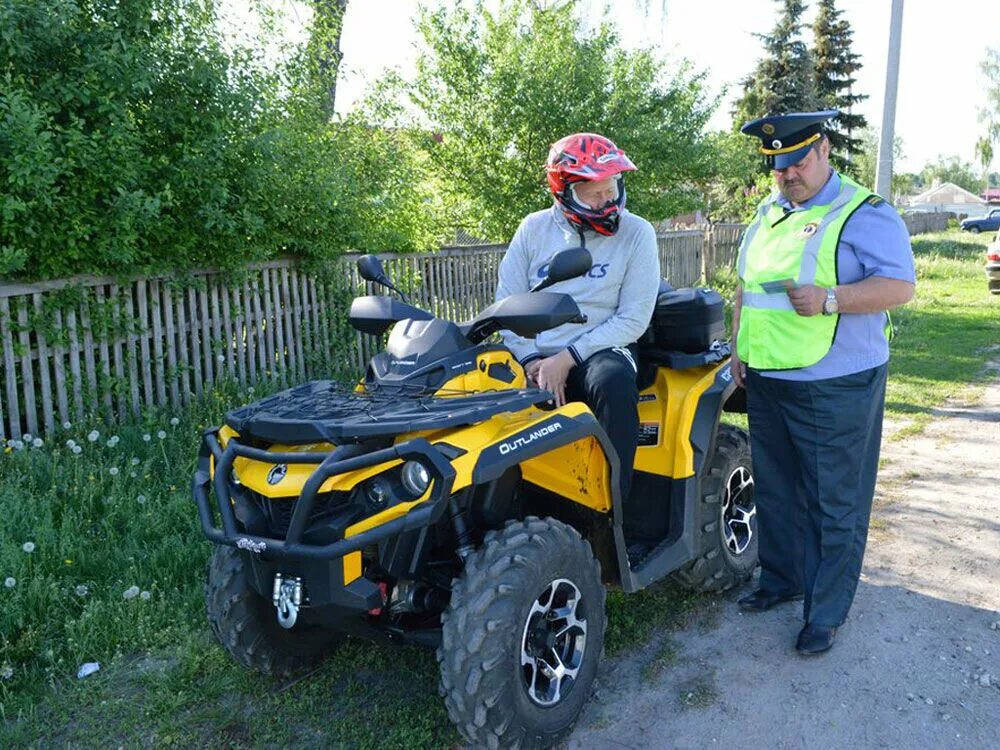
(587, 157)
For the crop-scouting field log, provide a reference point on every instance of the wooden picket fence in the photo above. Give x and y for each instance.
(106, 347)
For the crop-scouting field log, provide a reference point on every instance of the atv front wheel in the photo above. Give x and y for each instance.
(246, 624)
(522, 636)
(726, 516)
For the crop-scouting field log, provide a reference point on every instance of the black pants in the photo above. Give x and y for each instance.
(607, 384)
(815, 448)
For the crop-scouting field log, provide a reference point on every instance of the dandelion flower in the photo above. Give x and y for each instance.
(221, 358)
(37, 442)
(250, 390)
(70, 444)
(131, 592)
(26, 437)
(67, 425)
(135, 461)
(82, 590)
(92, 437)
(132, 474)
(28, 547)
(141, 499)
(77, 449)
(174, 421)
(10, 582)
(147, 437)
(6, 672)
(18, 445)
(145, 596)
(113, 471)
(161, 434)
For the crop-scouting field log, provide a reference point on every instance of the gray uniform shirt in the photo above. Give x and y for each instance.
(617, 295)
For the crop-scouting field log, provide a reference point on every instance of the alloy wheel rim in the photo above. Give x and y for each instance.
(739, 510)
(553, 642)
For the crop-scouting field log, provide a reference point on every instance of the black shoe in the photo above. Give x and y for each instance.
(761, 601)
(815, 639)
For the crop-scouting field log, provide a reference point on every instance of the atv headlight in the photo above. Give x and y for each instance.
(415, 478)
(378, 492)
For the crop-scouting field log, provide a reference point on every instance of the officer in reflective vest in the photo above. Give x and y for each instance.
(820, 265)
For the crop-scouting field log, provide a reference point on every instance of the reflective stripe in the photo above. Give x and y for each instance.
(741, 262)
(762, 301)
(810, 253)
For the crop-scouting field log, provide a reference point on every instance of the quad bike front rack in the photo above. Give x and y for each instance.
(340, 460)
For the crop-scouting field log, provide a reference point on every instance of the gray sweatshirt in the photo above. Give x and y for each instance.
(617, 295)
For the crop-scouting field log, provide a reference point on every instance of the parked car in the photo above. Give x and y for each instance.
(988, 223)
(993, 265)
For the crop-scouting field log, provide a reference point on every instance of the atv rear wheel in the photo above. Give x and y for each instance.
(523, 635)
(726, 516)
(246, 623)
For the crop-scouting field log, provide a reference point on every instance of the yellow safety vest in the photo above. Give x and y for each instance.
(801, 246)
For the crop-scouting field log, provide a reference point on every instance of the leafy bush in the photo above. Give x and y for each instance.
(132, 140)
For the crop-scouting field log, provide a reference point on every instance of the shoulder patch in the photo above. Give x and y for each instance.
(875, 200)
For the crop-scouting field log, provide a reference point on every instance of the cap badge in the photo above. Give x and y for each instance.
(768, 128)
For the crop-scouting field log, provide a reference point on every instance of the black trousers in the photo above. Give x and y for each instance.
(606, 382)
(815, 448)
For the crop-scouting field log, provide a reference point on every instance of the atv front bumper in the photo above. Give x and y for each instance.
(340, 460)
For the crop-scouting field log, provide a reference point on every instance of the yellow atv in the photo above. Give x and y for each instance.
(444, 502)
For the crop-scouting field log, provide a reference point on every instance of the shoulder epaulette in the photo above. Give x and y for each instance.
(875, 200)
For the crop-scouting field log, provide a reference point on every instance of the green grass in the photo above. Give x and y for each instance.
(165, 683)
(947, 333)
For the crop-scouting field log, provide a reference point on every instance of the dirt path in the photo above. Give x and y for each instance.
(916, 666)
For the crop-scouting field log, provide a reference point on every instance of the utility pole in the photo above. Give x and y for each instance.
(883, 170)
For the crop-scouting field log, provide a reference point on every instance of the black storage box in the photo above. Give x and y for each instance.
(685, 320)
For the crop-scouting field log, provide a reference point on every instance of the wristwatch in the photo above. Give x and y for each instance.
(830, 303)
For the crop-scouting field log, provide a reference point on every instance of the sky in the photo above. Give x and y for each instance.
(940, 83)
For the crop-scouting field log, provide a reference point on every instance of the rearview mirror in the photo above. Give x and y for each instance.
(370, 268)
(567, 264)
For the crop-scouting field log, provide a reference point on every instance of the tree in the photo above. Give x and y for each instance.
(835, 68)
(783, 80)
(864, 165)
(990, 114)
(984, 152)
(737, 184)
(952, 169)
(132, 140)
(324, 47)
(496, 89)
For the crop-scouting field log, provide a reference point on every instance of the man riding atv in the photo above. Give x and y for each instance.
(443, 500)
(594, 362)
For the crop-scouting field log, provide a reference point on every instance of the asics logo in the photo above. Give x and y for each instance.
(597, 271)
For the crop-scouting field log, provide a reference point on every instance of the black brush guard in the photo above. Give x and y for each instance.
(340, 460)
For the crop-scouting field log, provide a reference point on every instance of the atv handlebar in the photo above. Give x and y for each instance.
(338, 461)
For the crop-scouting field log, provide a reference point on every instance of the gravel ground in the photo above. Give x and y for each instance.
(917, 665)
